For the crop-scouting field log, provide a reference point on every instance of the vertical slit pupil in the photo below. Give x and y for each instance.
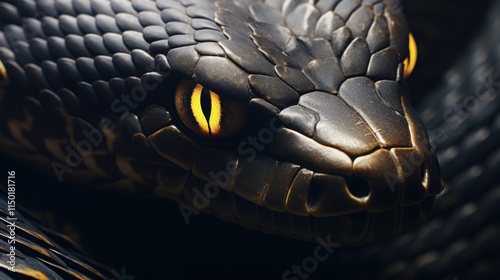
(206, 105)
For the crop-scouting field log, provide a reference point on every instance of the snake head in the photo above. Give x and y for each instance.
(286, 116)
(332, 146)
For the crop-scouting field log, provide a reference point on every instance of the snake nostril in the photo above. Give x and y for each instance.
(330, 196)
(358, 186)
(315, 193)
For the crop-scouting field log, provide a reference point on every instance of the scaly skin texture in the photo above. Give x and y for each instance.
(32, 251)
(460, 242)
(331, 148)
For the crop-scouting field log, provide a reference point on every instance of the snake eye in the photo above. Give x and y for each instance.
(411, 60)
(207, 113)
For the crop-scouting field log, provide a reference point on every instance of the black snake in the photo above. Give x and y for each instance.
(298, 114)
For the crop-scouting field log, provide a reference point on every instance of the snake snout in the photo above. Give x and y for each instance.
(376, 174)
(379, 182)
(380, 199)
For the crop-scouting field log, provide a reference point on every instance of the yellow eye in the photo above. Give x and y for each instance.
(206, 110)
(411, 60)
(208, 114)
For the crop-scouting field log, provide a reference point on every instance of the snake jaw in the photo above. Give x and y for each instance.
(336, 164)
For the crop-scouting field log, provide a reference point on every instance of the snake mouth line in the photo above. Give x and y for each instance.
(374, 183)
(405, 178)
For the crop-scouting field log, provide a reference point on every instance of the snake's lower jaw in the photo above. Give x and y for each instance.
(373, 197)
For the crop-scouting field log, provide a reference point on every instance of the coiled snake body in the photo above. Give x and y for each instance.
(290, 117)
